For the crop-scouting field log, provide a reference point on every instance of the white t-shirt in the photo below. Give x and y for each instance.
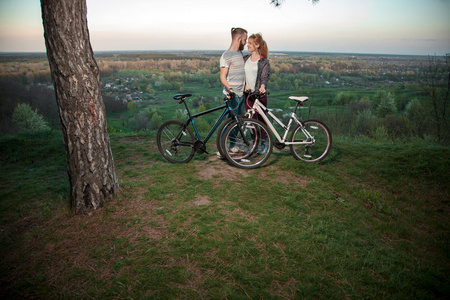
(251, 72)
(234, 61)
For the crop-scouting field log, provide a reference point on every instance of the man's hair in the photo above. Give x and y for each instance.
(237, 31)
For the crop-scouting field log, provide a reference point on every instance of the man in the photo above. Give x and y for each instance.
(232, 73)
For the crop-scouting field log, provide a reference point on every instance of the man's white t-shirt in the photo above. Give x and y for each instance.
(234, 61)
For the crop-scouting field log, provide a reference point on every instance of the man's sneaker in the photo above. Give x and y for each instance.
(235, 149)
(219, 156)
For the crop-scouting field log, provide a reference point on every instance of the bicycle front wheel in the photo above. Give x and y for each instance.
(247, 144)
(221, 136)
(174, 143)
(314, 141)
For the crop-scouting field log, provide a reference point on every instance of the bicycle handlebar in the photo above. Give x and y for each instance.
(230, 95)
(257, 94)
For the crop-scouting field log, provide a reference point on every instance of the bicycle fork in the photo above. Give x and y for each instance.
(242, 128)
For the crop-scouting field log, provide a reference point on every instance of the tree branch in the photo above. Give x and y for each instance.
(278, 3)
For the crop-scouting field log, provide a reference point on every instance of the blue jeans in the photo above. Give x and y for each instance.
(237, 107)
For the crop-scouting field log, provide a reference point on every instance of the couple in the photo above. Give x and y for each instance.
(242, 74)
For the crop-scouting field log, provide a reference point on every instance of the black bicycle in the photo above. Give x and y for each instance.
(178, 144)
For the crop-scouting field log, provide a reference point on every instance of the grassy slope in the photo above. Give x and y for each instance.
(371, 221)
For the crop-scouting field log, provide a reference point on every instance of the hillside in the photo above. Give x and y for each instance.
(370, 221)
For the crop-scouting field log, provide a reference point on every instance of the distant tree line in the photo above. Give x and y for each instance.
(397, 114)
(41, 99)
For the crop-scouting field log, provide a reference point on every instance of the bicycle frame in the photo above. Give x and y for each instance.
(211, 132)
(215, 126)
(263, 112)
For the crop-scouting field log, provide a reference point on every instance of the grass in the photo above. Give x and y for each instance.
(370, 221)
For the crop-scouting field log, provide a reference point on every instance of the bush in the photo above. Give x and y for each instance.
(203, 125)
(132, 107)
(365, 122)
(139, 122)
(344, 98)
(27, 119)
(398, 126)
(386, 104)
(381, 134)
(181, 114)
(154, 114)
(363, 104)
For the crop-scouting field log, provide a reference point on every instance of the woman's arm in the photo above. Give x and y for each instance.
(264, 75)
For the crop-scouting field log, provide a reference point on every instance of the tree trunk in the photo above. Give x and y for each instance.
(76, 79)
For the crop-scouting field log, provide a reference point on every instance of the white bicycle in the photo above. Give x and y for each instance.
(309, 141)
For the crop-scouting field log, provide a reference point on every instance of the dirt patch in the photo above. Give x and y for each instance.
(217, 168)
(286, 177)
(201, 200)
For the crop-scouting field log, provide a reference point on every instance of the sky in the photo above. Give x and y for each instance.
(409, 27)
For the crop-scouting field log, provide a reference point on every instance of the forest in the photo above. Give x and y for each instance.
(379, 96)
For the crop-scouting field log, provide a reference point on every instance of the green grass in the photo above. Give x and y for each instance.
(370, 221)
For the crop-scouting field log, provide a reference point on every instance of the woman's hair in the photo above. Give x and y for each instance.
(263, 49)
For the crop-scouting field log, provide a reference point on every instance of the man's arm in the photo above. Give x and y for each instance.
(223, 77)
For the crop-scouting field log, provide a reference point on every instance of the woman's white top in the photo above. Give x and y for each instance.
(251, 71)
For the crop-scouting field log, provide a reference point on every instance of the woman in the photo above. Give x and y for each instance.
(257, 68)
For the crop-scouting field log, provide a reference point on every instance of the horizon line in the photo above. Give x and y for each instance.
(273, 52)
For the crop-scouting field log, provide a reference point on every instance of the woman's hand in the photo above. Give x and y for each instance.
(262, 89)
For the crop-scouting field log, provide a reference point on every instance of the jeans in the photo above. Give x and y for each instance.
(237, 107)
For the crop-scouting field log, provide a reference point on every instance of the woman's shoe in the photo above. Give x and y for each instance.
(263, 149)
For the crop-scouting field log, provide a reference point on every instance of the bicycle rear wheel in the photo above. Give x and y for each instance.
(246, 155)
(174, 143)
(316, 138)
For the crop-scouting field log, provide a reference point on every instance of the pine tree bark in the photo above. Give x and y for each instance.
(76, 78)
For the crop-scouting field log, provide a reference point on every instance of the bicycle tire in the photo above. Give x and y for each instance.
(221, 136)
(320, 145)
(172, 149)
(246, 156)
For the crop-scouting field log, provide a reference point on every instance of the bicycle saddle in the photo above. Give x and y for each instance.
(299, 99)
(181, 96)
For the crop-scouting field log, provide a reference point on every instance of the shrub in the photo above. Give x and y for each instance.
(131, 106)
(344, 98)
(156, 121)
(363, 104)
(386, 104)
(398, 126)
(139, 122)
(27, 119)
(154, 114)
(181, 114)
(381, 134)
(202, 125)
(365, 122)
(201, 108)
